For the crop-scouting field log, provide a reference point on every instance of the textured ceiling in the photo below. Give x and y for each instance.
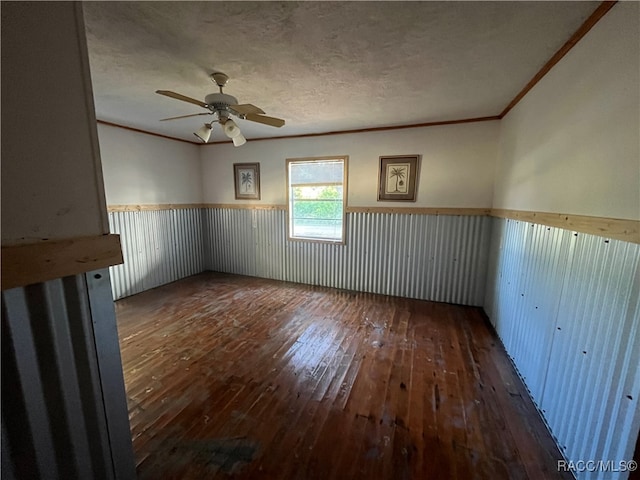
(321, 66)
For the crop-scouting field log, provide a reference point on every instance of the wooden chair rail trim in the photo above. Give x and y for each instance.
(619, 229)
(153, 207)
(47, 260)
(616, 228)
(421, 210)
(184, 206)
(245, 206)
(261, 206)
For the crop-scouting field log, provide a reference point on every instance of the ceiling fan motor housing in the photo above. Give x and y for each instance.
(220, 101)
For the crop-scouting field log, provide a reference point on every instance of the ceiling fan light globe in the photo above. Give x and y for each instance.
(231, 130)
(204, 133)
(239, 140)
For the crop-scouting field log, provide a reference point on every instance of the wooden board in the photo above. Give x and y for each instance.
(421, 210)
(39, 262)
(179, 206)
(153, 207)
(249, 206)
(619, 229)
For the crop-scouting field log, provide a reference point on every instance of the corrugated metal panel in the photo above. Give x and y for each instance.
(493, 270)
(232, 243)
(429, 257)
(567, 309)
(531, 268)
(56, 424)
(592, 394)
(270, 234)
(419, 256)
(158, 247)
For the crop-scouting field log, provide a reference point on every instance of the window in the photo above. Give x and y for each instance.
(316, 198)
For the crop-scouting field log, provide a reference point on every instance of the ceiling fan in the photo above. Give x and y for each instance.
(223, 106)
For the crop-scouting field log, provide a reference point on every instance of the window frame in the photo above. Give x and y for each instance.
(345, 176)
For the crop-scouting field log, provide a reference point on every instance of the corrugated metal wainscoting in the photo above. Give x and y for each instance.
(430, 257)
(566, 306)
(158, 246)
(64, 413)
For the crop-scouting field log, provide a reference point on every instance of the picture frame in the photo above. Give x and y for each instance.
(246, 180)
(398, 178)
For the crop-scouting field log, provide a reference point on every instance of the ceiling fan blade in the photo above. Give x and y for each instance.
(186, 116)
(184, 98)
(246, 108)
(272, 121)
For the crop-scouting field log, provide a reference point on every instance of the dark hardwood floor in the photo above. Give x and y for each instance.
(240, 377)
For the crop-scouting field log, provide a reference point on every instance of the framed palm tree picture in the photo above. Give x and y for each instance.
(246, 178)
(398, 179)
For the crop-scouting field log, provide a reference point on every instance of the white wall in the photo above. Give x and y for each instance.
(572, 145)
(457, 166)
(145, 169)
(51, 179)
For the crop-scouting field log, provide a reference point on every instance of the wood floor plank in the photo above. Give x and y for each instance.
(247, 378)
